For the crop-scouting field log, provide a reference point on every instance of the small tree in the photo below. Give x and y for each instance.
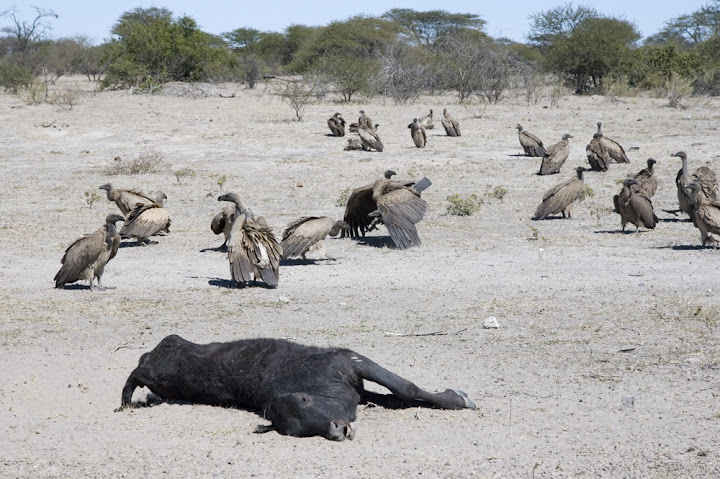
(27, 32)
(297, 94)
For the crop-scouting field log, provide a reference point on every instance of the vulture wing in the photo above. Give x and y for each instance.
(146, 221)
(79, 256)
(401, 209)
(359, 206)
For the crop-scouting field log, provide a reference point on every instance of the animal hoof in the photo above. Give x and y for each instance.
(469, 404)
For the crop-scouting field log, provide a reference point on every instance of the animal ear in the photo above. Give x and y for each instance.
(263, 428)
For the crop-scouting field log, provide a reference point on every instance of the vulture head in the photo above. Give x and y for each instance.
(389, 174)
(519, 127)
(339, 225)
(107, 187)
(566, 136)
(681, 154)
(692, 190)
(114, 218)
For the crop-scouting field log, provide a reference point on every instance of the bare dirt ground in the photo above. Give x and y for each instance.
(605, 363)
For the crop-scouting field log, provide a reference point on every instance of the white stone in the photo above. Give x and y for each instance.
(491, 323)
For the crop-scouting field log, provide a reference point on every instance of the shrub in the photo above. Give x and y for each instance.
(677, 88)
(14, 77)
(148, 161)
(463, 206)
(343, 198)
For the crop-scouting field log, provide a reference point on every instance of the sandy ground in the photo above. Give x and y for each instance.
(605, 363)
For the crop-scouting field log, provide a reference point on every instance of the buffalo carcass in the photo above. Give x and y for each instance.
(302, 390)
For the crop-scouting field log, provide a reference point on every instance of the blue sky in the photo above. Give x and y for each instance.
(509, 18)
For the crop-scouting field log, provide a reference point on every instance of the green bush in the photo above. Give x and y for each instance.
(14, 77)
(463, 206)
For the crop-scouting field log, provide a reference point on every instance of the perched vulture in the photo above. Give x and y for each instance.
(253, 251)
(703, 176)
(353, 127)
(337, 125)
(705, 213)
(147, 220)
(369, 138)
(396, 203)
(597, 155)
(86, 258)
(353, 144)
(555, 156)
(634, 207)
(366, 121)
(531, 144)
(451, 125)
(612, 147)
(647, 182)
(561, 198)
(417, 132)
(126, 200)
(427, 121)
(308, 233)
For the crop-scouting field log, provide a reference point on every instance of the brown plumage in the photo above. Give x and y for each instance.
(353, 144)
(417, 132)
(555, 156)
(147, 220)
(705, 213)
(427, 121)
(634, 207)
(612, 147)
(397, 204)
(365, 121)
(703, 176)
(451, 125)
(126, 200)
(647, 182)
(308, 233)
(359, 207)
(532, 145)
(370, 139)
(336, 125)
(85, 258)
(597, 155)
(253, 251)
(561, 198)
(222, 223)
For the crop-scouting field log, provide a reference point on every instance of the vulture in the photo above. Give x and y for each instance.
(612, 147)
(336, 125)
(647, 182)
(427, 121)
(555, 156)
(531, 144)
(308, 233)
(705, 213)
(597, 155)
(147, 220)
(353, 144)
(634, 206)
(253, 251)
(396, 203)
(353, 127)
(703, 176)
(222, 223)
(126, 200)
(366, 121)
(451, 125)
(417, 132)
(561, 198)
(369, 138)
(86, 257)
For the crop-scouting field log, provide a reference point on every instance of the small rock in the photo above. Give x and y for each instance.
(283, 299)
(491, 323)
(628, 401)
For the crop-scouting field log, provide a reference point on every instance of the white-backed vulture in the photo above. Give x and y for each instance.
(634, 207)
(353, 144)
(253, 251)
(555, 156)
(532, 145)
(147, 220)
(705, 213)
(336, 125)
(612, 147)
(417, 132)
(366, 121)
(703, 176)
(397, 204)
(597, 155)
(126, 200)
(561, 198)
(85, 258)
(647, 182)
(427, 121)
(451, 125)
(308, 233)
(370, 139)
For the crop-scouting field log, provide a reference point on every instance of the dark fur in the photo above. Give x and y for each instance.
(302, 390)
